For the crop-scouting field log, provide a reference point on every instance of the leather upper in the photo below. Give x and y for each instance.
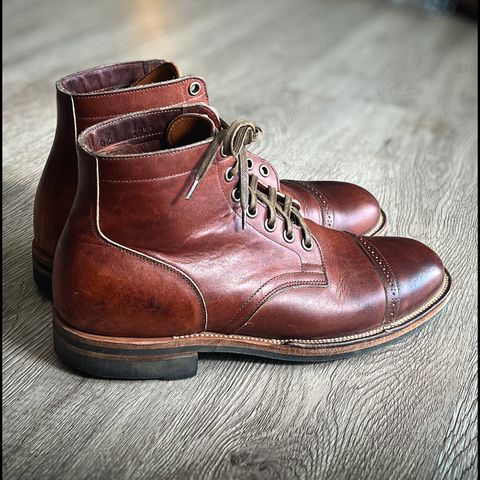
(91, 96)
(224, 278)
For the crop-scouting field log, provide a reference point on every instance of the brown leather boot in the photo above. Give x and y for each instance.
(174, 247)
(91, 96)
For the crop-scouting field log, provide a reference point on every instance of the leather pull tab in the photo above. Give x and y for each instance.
(189, 128)
(165, 71)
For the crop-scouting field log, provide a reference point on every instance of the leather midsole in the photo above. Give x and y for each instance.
(380, 228)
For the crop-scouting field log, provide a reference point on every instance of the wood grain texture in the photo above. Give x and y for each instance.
(361, 91)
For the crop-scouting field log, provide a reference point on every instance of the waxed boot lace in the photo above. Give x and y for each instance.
(232, 140)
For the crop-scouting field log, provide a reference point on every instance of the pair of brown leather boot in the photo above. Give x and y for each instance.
(171, 238)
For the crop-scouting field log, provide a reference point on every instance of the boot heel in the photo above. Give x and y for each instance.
(121, 358)
(42, 272)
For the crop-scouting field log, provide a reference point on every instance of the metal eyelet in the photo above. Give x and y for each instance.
(305, 246)
(235, 192)
(194, 89)
(249, 163)
(252, 214)
(222, 153)
(264, 170)
(267, 227)
(228, 174)
(288, 239)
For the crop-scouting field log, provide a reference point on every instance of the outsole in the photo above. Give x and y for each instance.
(171, 358)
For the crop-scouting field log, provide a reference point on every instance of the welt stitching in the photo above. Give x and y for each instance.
(438, 296)
(264, 300)
(378, 226)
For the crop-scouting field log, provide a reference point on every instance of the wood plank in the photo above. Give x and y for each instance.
(367, 92)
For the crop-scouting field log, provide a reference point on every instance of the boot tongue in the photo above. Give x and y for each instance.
(165, 71)
(188, 128)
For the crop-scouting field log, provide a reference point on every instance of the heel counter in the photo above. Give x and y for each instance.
(56, 189)
(103, 289)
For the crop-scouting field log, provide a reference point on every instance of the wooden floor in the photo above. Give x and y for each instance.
(364, 91)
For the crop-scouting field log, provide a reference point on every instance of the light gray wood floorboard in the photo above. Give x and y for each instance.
(363, 91)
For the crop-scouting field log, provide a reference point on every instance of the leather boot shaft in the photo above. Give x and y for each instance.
(89, 97)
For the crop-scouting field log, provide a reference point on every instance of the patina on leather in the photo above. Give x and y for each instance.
(138, 259)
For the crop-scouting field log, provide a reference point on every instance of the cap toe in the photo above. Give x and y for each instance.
(338, 205)
(356, 210)
(418, 271)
